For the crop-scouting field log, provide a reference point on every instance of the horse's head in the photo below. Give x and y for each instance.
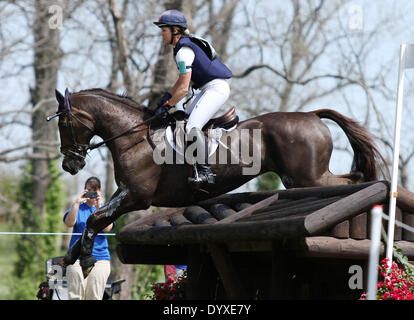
(75, 133)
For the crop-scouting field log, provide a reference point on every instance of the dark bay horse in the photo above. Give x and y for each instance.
(295, 145)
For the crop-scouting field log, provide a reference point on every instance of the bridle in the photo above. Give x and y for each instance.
(78, 150)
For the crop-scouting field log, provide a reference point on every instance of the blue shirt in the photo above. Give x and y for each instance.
(100, 245)
(182, 267)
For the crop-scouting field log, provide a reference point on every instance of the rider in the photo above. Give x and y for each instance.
(197, 63)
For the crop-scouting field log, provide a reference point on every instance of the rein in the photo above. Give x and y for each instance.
(130, 130)
(80, 148)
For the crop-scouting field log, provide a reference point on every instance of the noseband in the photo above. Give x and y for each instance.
(77, 150)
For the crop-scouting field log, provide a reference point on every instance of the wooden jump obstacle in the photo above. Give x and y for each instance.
(270, 244)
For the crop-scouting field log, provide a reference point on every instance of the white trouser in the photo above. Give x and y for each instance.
(91, 288)
(207, 103)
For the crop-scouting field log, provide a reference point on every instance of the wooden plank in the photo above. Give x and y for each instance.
(409, 220)
(162, 223)
(233, 284)
(288, 204)
(343, 209)
(328, 247)
(124, 235)
(341, 230)
(199, 215)
(358, 226)
(398, 229)
(151, 218)
(241, 206)
(249, 246)
(294, 193)
(280, 286)
(178, 219)
(285, 203)
(249, 210)
(201, 275)
(302, 208)
(147, 254)
(221, 211)
(190, 234)
(405, 200)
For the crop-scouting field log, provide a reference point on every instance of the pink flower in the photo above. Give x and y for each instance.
(171, 289)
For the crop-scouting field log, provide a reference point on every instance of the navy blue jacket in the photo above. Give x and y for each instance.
(203, 69)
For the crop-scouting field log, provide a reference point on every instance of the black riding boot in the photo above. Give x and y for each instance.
(202, 170)
(87, 261)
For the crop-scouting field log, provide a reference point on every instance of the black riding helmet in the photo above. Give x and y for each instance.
(172, 18)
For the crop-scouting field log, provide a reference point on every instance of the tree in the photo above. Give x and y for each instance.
(47, 57)
(32, 251)
(285, 56)
(40, 194)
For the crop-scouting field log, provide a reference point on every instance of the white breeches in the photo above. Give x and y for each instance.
(91, 288)
(207, 103)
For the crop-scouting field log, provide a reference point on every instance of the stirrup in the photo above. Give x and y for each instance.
(205, 176)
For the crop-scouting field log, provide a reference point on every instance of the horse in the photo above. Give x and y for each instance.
(295, 145)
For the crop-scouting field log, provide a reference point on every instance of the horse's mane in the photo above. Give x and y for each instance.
(123, 99)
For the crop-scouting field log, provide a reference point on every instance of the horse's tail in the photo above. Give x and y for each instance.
(366, 154)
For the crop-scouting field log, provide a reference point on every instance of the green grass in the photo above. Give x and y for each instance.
(7, 259)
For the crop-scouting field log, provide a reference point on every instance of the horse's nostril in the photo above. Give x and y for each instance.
(68, 168)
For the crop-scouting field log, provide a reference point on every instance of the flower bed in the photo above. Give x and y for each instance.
(397, 283)
(172, 289)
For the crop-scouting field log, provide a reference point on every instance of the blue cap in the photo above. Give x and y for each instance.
(172, 18)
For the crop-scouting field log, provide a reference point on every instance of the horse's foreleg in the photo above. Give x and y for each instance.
(75, 251)
(98, 221)
(120, 203)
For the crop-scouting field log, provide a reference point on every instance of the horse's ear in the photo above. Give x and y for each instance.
(68, 102)
(60, 99)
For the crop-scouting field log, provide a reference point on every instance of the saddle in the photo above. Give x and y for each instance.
(176, 130)
(226, 121)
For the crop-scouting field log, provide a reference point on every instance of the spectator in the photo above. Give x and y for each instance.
(93, 287)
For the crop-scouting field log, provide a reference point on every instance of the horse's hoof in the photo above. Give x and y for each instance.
(87, 263)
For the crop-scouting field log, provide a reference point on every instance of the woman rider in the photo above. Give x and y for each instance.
(197, 64)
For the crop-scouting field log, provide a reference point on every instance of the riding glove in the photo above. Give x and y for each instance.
(167, 96)
(162, 111)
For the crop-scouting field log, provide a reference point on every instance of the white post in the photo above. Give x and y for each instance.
(376, 217)
(394, 181)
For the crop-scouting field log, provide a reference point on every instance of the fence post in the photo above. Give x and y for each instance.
(376, 216)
